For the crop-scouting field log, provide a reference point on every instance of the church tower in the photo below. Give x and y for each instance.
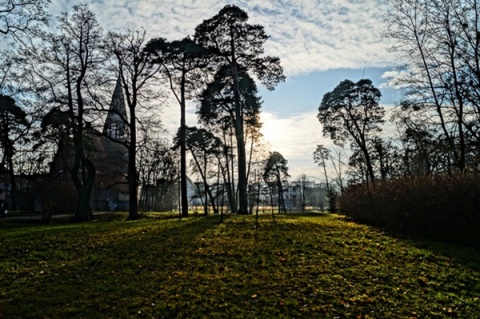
(115, 126)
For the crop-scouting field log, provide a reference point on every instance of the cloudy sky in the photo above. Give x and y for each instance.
(319, 42)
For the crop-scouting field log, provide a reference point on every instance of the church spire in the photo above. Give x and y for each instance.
(115, 126)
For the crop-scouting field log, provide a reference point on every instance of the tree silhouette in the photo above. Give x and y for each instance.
(202, 145)
(181, 61)
(65, 67)
(239, 45)
(350, 113)
(13, 125)
(217, 109)
(136, 72)
(275, 172)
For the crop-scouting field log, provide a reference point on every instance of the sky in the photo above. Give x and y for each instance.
(319, 42)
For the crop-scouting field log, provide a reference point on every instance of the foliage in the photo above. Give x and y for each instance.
(302, 266)
(217, 101)
(238, 45)
(275, 174)
(332, 197)
(181, 62)
(351, 113)
(439, 207)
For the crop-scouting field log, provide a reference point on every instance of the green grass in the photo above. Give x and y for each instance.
(301, 266)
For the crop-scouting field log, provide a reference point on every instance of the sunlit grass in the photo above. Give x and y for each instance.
(299, 266)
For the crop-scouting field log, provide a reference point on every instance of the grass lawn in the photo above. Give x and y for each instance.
(301, 266)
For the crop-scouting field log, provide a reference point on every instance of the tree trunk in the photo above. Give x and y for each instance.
(132, 168)
(281, 200)
(13, 183)
(84, 188)
(8, 157)
(183, 152)
(229, 178)
(271, 202)
(242, 167)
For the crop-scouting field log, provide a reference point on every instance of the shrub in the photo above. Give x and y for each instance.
(332, 200)
(440, 207)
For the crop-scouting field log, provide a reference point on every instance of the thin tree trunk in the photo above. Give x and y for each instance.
(183, 151)
(13, 183)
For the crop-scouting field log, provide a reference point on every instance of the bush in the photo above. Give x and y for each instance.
(332, 200)
(440, 207)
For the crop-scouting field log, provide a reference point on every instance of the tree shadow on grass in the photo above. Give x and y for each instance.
(101, 268)
(309, 214)
(467, 255)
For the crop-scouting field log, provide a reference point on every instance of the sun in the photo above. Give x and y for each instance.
(271, 130)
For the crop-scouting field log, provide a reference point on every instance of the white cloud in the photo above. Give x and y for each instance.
(307, 35)
(396, 79)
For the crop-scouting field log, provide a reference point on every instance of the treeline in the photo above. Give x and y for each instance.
(425, 179)
(56, 89)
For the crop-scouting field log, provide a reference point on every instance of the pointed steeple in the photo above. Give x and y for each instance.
(114, 126)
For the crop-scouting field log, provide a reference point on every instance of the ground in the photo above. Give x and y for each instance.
(298, 266)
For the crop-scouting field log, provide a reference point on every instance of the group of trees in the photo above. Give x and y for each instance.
(56, 84)
(62, 80)
(439, 117)
(437, 121)
(19, 22)
(219, 59)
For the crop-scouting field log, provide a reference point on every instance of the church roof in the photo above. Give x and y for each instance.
(117, 112)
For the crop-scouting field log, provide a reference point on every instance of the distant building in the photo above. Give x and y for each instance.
(314, 195)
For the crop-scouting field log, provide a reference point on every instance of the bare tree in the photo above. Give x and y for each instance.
(20, 19)
(13, 127)
(136, 74)
(320, 157)
(303, 189)
(157, 170)
(440, 40)
(65, 69)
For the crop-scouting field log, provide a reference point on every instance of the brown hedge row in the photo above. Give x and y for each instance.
(438, 207)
